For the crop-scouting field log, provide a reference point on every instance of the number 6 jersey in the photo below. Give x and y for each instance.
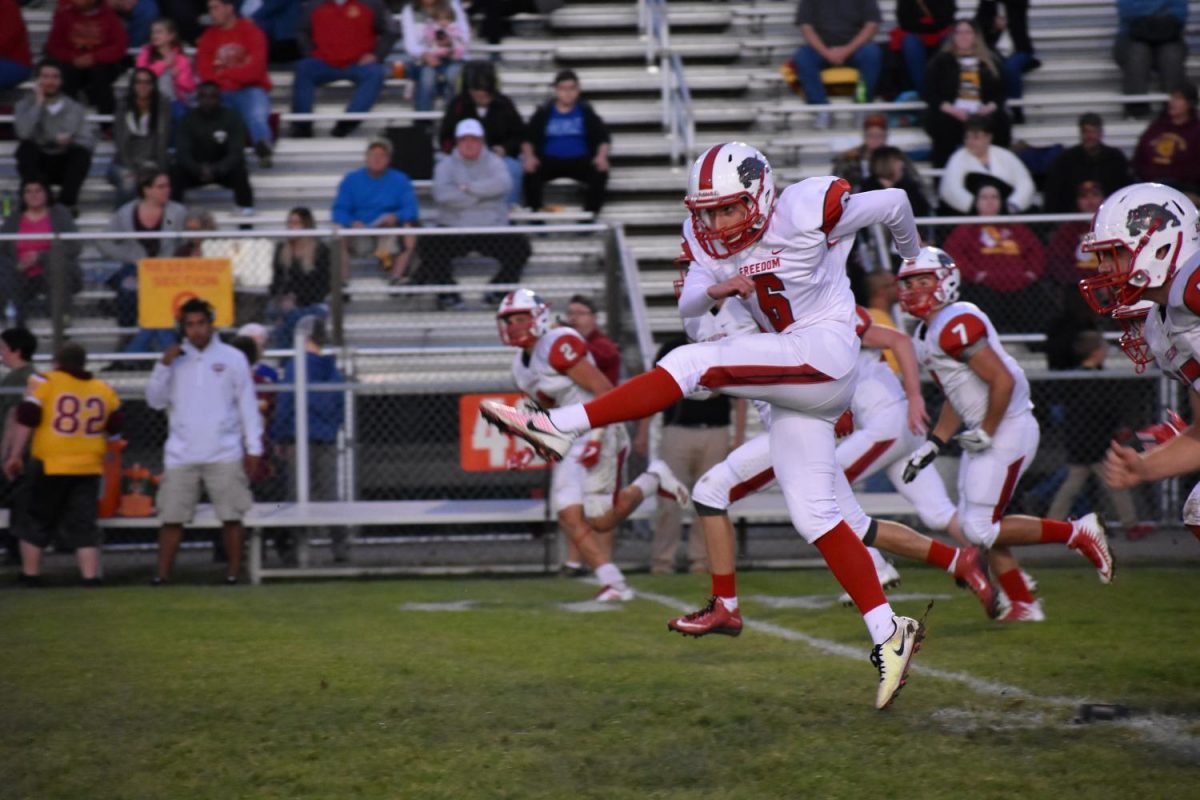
(946, 343)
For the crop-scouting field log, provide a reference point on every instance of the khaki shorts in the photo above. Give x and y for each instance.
(225, 481)
(363, 246)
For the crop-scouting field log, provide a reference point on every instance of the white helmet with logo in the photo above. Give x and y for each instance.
(523, 301)
(1156, 225)
(725, 174)
(930, 261)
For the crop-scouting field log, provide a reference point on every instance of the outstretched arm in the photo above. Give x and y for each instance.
(881, 337)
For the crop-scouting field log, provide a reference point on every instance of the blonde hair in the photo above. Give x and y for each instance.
(980, 51)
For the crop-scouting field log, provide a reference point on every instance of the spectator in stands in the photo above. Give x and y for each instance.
(503, 127)
(1021, 60)
(189, 15)
(280, 21)
(25, 265)
(326, 412)
(164, 57)
(214, 438)
(141, 130)
(978, 156)
(581, 315)
(88, 40)
(209, 148)
(15, 56)
(196, 220)
(377, 196)
(1001, 263)
(470, 189)
(436, 38)
(17, 346)
(64, 473)
(1090, 160)
(1066, 263)
(263, 372)
(1168, 151)
(152, 211)
(1150, 36)
(342, 40)
(892, 169)
(923, 26)
(695, 438)
(854, 165)
(963, 80)
(837, 33)
(56, 138)
(232, 53)
(137, 15)
(567, 139)
(301, 278)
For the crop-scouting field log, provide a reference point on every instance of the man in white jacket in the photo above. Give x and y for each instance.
(214, 438)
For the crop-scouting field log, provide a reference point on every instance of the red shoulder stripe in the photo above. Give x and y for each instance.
(835, 202)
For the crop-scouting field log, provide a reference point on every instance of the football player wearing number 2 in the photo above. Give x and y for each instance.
(553, 367)
(743, 239)
(987, 391)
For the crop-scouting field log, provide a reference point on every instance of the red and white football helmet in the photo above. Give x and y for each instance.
(921, 302)
(725, 174)
(1157, 226)
(523, 301)
(1132, 341)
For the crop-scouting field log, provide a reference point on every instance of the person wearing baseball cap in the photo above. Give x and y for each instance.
(470, 190)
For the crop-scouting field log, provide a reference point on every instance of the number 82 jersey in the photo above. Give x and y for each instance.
(947, 342)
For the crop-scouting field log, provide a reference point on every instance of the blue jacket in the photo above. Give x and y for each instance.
(1132, 9)
(361, 198)
(325, 409)
(279, 19)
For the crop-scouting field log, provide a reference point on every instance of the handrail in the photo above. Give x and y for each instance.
(288, 233)
(637, 298)
(678, 118)
(1078, 99)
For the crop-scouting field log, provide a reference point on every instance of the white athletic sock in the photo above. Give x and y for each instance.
(648, 483)
(730, 603)
(610, 575)
(570, 419)
(879, 623)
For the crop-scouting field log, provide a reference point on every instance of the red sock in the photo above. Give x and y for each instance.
(1055, 531)
(1014, 586)
(724, 585)
(940, 555)
(1195, 529)
(638, 397)
(851, 564)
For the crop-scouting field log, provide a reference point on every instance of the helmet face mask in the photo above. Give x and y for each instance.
(921, 298)
(523, 318)
(1132, 341)
(726, 177)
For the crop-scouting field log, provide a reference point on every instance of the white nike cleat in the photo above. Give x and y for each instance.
(893, 657)
(614, 594)
(1091, 541)
(1023, 612)
(534, 427)
(667, 482)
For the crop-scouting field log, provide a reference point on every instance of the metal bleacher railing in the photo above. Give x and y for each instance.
(678, 117)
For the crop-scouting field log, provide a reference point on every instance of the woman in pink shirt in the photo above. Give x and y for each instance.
(25, 264)
(165, 58)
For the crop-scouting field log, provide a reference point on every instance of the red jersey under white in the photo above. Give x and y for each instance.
(1173, 332)
(541, 373)
(796, 284)
(946, 343)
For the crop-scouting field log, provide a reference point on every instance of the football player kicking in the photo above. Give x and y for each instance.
(888, 419)
(554, 367)
(742, 241)
(987, 391)
(1147, 237)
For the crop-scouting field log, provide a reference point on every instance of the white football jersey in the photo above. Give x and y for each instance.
(731, 319)
(1173, 333)
(946, 343)
(796, 284)
(540, 372)
(878, 387)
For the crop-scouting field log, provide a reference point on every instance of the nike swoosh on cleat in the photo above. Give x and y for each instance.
(903, 646)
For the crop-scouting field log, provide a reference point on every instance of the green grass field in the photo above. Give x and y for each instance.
(347, 689)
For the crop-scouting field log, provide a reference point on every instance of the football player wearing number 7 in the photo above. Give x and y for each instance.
(743, 239)
(552, 367)
(986, 391)
(70, 416)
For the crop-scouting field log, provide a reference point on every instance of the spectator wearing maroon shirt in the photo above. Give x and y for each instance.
(581, 315)
(88, 39)
(232, 53)
(1169, 149)
(15, 58)
(342, 40)
(1066, 263)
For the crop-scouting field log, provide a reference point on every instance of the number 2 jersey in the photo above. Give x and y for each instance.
(796, 284)
(72, 416)
(541, 373)
(946, 343)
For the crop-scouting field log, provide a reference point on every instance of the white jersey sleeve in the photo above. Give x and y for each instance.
(1173, 331)
(541, 373)
(889, 207)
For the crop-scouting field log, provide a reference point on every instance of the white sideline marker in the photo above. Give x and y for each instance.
(453, 605)
(820, 602)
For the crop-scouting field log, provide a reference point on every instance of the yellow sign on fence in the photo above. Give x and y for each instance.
(165, 284)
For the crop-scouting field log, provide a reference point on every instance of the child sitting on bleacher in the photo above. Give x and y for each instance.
(445, 35)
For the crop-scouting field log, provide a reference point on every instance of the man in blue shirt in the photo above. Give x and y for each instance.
(377, 196)
(567, 139)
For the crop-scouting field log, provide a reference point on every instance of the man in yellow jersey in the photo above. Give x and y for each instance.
(70, 415)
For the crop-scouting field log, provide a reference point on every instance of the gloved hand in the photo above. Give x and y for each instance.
(590, 456)
(921, 458)
(975, 440)
(519, 459)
